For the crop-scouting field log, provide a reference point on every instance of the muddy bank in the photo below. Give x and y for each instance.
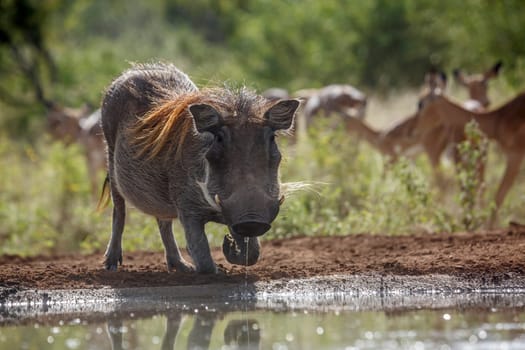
(358, 272)
(492, 256)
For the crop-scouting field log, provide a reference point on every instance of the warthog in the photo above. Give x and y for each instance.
(175, 151)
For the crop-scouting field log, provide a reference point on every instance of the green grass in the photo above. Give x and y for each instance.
(347, 188)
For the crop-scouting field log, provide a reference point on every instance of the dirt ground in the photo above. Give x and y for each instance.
(490, 254)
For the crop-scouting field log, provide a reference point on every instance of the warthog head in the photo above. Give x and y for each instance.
(242, 163)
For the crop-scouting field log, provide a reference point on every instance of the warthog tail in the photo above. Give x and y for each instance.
(103, 201)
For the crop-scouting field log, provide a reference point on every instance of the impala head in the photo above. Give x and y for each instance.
(427, 117)
(435, 80)
(64, 123)
(435, 84)
(477, 84)
(242, 159)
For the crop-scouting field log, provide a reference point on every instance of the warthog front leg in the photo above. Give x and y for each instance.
(234, 249)
(173, 257)
(114, 250)
(197, 244)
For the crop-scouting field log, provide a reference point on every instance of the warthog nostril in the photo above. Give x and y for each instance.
(251, 228)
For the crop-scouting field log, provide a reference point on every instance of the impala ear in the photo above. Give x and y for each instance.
(459, 76)
(206, 118)
(494, 71)
(280, 116)
(443, 76)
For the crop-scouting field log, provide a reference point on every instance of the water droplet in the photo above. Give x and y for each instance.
(446, 317)
(419, 345)
(320, 330)
(482, 334)
(55, 330)
(72, 343)
(473, 339)
(50, 340)
(279, 346)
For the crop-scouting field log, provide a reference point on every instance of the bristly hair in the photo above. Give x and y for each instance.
(167, 125)
(164, 124)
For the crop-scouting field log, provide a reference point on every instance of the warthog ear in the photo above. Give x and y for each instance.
(280, 116)
(206, 118)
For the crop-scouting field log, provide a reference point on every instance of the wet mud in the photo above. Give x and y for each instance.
(356, 272)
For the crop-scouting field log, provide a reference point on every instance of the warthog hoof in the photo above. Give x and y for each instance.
(237, 255)
(179, 265)
(112, 260)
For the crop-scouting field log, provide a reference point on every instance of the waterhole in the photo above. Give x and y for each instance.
(229, 326)
(336, 313)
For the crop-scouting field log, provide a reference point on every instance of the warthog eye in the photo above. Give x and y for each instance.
(216, 152)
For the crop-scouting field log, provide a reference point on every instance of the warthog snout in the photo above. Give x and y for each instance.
(250, 213)
(251, 228)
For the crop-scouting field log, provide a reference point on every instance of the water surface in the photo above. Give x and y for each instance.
(499, 324)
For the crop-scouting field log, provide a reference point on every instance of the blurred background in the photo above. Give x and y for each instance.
(58, 56)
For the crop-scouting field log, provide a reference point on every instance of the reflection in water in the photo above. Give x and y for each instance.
(115, 332)
(242, 334)
(499, 323)
(173, 321)
(200, 334)
(238, 334)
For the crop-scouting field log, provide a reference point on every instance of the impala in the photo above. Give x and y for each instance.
(399, 139)
(505, 125)
(70, 125)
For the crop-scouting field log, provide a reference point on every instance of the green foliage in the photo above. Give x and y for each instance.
(473, 157)
(396, 36)
(71, 50)
(76, 48)
(354, 190)
(46, 204)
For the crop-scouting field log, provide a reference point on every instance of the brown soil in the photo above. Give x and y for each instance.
(492, 253)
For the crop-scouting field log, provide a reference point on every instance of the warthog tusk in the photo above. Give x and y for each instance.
(217, 200)
(281, 200)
